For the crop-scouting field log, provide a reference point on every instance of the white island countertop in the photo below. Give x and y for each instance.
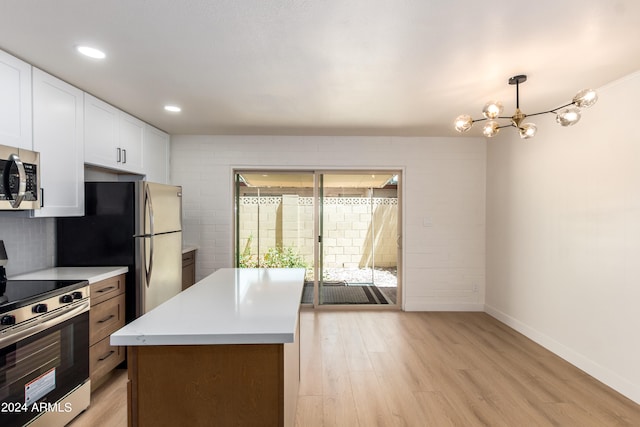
(231, 306)
(92, 274)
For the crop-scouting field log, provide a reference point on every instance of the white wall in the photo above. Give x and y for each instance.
(444, 194)
(563, 236)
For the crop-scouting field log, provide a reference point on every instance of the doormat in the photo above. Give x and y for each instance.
(345, 294)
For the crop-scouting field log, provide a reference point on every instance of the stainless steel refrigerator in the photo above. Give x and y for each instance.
(137, 224)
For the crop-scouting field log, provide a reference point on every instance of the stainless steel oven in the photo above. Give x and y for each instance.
(44, 352)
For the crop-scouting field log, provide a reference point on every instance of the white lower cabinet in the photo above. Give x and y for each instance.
(58, 131)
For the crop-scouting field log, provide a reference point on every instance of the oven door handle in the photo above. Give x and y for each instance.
(21, 332)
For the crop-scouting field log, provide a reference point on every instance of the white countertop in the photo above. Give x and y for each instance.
(92, 274)
(189, 248)
(231, 306)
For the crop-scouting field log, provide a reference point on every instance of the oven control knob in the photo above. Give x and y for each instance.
(8, 320)
(77, 295)
(39, 308)
(66, 299)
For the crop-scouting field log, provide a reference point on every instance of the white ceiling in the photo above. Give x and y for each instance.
(325, 67)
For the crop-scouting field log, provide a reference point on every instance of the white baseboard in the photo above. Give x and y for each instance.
(606, 376)
(431, 306)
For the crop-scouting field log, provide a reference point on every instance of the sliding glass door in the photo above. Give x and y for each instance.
(342, 226)
(359, 238)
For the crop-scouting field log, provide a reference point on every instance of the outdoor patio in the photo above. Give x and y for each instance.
(356, 286)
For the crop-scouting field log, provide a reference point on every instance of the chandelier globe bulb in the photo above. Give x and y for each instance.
(585, 98)
(463, 123)
(528, 130)
(492, 109)
(568, 116)
(490, 129)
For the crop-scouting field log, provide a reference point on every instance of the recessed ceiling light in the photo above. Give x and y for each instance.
(91, 52)
(172, 108)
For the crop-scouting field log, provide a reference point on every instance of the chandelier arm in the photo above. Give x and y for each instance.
(507, 126)
(550, 111)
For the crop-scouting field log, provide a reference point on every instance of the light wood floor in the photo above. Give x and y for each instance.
(108, 404)
(388, 368)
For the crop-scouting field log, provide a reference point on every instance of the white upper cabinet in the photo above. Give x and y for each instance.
(131, 141)
(100, 132)
(113, 138)
(156, 155)
(15, 102)
(58, 131)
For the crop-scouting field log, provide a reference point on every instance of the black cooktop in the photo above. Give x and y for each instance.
(19, 293)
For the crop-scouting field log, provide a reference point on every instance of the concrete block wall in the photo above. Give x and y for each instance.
(349, 241)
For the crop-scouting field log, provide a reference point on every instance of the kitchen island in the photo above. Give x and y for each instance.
(223, 352)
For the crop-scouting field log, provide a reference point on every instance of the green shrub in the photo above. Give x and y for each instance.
(283, 258)
(277, 257)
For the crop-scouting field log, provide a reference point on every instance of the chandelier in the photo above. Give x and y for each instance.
(566, 115)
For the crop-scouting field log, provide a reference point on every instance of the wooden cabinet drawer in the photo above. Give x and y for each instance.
(188, 257)
(103, 357)
(105, 289)
(107, 315)
(106, 318)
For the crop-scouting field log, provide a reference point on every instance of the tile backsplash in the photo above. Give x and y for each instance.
(30, 242)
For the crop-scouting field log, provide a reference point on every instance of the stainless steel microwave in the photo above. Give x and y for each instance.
(19, 178)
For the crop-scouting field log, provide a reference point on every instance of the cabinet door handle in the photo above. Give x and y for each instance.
(100, 359)
(124, 156)
(119, 156)
(106, 319)
(108, 288)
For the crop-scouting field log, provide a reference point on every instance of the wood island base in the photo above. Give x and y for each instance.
(207, 385)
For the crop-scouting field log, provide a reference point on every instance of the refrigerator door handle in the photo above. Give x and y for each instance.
(148, 269)
(148, 210)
